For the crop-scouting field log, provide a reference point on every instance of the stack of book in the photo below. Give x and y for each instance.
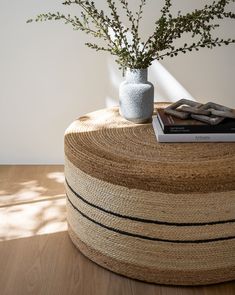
(171, 129)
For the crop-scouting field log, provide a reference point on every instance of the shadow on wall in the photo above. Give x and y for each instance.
(167, 88)
(116, 78)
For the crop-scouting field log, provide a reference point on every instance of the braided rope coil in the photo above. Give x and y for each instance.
(162, 213)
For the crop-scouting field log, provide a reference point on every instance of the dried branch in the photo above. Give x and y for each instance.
(200, 24)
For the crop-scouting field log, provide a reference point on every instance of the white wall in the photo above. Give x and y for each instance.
(48, 78)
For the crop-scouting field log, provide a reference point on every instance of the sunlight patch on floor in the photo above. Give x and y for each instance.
(57, 176)
(27, 191)
(32, 204)
(28, 220)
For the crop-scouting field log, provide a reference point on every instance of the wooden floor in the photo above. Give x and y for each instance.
(36, 254)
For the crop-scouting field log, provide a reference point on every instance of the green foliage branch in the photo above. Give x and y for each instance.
(137, 54)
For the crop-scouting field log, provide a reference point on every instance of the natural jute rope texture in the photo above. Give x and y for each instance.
(162, 213)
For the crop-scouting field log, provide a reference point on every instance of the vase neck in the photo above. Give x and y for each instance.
(137, 75)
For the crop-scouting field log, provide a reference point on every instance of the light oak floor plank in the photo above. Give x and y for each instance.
(36, 254)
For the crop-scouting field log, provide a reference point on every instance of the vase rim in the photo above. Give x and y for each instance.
(137, 75)
(137, 69)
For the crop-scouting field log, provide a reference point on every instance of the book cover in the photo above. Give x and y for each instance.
(200, 137)
(171, 125)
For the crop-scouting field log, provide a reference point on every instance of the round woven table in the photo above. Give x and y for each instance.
(162, 213)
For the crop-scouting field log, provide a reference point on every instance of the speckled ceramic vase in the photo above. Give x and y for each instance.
(136, 96)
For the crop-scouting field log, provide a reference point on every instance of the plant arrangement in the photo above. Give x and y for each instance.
(136, 53)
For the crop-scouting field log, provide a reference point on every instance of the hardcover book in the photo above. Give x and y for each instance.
(181, 137)
(173, 125)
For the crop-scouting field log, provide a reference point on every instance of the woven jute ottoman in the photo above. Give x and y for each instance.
(161, 213)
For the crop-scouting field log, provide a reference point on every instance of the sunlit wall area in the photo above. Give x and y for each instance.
(48, 77)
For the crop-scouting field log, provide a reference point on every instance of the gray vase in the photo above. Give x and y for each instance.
(136, 96)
